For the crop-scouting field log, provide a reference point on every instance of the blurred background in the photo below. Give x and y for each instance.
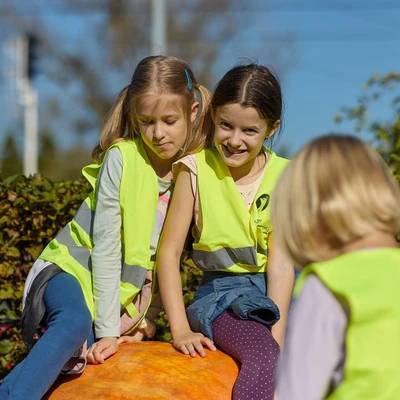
(62, 63)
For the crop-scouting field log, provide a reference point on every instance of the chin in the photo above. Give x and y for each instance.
(235, 162)
(167, 156)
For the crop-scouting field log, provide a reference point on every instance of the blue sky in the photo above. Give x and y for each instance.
(337, 46)
(339, 49)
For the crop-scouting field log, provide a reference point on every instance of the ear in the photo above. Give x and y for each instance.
(275, 126)
(194, 111)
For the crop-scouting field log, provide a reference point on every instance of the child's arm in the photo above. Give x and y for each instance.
(280, 281)
(174, 234)
(106, 259)
(314, 345)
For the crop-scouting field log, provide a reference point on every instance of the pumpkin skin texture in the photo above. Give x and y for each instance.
(151, 370)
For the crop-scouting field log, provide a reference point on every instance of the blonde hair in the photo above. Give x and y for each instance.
(156, 75)
(336, 190)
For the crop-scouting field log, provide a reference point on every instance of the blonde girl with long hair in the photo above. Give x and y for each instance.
(99, 270)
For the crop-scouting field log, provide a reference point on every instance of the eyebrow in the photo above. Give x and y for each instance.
(163, 116)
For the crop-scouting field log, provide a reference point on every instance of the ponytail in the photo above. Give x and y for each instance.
(115, 126)
(201, 128)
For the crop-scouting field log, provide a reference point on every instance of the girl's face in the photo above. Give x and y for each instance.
(239, 135)
(163, 125)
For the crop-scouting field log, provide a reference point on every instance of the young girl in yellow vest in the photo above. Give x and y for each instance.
(227, 190)
(336, 212)
(101, 264)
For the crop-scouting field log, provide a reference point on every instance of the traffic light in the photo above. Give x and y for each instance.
(33, 44)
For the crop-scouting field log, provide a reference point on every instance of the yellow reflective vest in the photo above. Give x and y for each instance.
(72, 247)
(233, 238)
(366, 283)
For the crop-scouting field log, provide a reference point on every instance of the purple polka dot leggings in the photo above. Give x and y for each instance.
(252, 344)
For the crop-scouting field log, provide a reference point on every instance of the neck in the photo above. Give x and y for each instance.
(374, 239)
(162, 168)
(249, 172)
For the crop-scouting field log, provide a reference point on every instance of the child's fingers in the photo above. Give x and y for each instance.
(109, 351)
(90, 356)
(199, 348)
(209, 343)
(97, 355)
(183, 349)
(187, 349)
(192, 343)
(137, 337)
(192, 349)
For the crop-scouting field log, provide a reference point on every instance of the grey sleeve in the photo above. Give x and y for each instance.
(106, 254)
(314, 344)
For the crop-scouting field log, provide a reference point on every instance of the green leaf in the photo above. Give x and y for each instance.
(6, 346)
(13, 252)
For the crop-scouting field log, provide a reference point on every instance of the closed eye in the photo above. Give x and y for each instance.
(145, 122)
(170, 122)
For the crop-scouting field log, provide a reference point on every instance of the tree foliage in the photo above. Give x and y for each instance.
(88, 49)
(384, 134)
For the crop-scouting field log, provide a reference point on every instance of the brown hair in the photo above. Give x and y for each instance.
(254, 86)
(157, 75)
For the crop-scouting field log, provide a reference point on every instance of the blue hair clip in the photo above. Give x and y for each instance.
(189, 79)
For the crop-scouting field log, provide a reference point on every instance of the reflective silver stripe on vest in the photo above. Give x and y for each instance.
(224, 258)
(84, 217)
(79, 253)
(133, 274)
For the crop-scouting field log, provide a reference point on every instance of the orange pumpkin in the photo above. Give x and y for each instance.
(151, 370)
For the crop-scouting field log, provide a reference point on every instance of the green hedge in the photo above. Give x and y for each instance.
(33, 210)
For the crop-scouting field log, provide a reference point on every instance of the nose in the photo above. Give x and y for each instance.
(158, 132)
(235, 140)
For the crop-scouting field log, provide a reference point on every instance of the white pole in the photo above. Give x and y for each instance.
(158, 27)
(29, 100)
(31, 146)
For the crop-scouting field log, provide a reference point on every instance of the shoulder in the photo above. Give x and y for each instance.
(188, 161)
(126, 145)
(315, 295)
(275, 165)
(313, 287)
(124, 152)
(113, 158)
(111, 168)
(275, 159)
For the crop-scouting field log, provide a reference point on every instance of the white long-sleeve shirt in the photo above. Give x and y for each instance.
(106, 254)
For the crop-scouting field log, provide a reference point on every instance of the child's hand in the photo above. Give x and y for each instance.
(136, 337)
(101, 350)
(146, 328)
(189, 342)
